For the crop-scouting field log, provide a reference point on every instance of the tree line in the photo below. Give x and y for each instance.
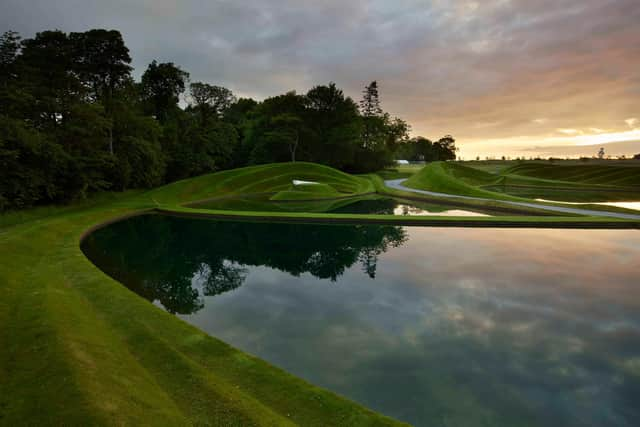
(73, 121)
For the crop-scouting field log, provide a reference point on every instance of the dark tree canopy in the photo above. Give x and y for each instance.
(211, 100)
(161, 87)
(422, 149)
(73, 122)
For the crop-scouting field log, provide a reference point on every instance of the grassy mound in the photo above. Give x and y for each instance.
(270, 178)
(453, 178)
(624, 176)
(571, 183)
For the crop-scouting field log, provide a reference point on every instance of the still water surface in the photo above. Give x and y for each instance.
(378, 205)
(434, 326)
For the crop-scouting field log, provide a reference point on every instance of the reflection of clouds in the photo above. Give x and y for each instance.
(409, 210)
(498, 325)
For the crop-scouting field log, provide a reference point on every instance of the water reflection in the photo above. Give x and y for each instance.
(392, 206)
(176, 262)
(460, 326)
(626, 205)
(371, 204)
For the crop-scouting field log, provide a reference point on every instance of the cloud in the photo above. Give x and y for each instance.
(631, 122)
(444, 66)
(570, 131)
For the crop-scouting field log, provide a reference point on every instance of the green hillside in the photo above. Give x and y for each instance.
(270, 178)
(571, 183)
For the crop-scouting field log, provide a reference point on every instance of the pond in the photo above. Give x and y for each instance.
(433, 326)
(379, 205)
(626, 205)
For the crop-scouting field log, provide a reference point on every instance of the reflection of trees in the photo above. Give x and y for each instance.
(179, 261)
(225, 277)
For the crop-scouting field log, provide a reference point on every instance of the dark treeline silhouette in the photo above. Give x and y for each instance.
(177, 261)
(422, 149)
(73, 121)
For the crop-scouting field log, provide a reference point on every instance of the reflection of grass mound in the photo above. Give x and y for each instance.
(270, 178)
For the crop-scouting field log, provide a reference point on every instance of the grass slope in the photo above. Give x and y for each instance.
(584, 174)
(574, 183)
(270, 178)
(453, 178)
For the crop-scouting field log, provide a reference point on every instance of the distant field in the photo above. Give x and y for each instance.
(401, 171)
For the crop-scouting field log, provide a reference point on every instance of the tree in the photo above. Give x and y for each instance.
(10, 98)
(601, 153)
(9, 50)
(397, 132)
(210, 100)
(335, 126)
(445, 148)
(48, 77)
(33, 168)
(161, 87)
(287, 130)
(264, 129)
(372, 115)
(102, 61)
(239, 115)
(370, 104)
(73, 121)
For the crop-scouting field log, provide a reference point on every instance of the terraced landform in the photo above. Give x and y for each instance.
(570, 183)
(78, 348)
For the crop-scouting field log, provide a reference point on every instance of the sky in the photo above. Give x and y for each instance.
(504, 77)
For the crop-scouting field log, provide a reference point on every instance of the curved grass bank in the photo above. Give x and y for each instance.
(81, 349)
(78, 348)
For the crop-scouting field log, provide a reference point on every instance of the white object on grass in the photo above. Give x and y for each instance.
(299, 182)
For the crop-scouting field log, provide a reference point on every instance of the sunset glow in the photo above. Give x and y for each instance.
(503, 77)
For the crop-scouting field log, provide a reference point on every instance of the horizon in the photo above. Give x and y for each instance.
(459, 68)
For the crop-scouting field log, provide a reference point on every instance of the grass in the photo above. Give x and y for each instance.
(523, 182)
(258, 179)
(400, 171)
(309, 191)
(453, 178)
(78, 348)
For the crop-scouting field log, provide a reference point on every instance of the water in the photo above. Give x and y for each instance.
(626, 205)
(378, 205)
(432, 326)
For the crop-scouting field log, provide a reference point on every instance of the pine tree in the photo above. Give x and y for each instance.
(370, 104)
(371, 113)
